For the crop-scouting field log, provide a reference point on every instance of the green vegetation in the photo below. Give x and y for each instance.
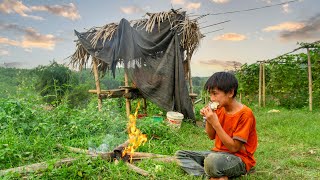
(286, 81)
(30, 129)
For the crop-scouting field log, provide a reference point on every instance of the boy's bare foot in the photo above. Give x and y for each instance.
(220, 178)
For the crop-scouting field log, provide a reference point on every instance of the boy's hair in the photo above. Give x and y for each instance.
(224, 81)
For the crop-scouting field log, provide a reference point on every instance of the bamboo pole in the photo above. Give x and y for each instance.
(263, 85)
(94, 91)
(260, 75)
(36, 167)
(144, 105)
(96, 77)
(137, 169)
(189, 72)
(310, 80)
(128, 106)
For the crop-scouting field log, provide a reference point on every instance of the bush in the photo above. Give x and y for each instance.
(53, 82)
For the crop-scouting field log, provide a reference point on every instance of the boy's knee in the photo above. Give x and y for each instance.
(218, 165)
(213, 164)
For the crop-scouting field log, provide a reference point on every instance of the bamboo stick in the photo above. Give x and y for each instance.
(137, 169)
(147, 155)
(260, 75)
(108, 155)
(96, 77)
(310, 80)
(189, 71)
(95, 91)
(73, 149)
(144, 105)
(263, 85)
(128, 106)
(36, 167)
(169, 159)
(104, 155)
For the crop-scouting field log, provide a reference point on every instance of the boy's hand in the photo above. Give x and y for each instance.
(210, 115)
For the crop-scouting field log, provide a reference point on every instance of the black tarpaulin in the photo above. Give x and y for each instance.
(152, 60)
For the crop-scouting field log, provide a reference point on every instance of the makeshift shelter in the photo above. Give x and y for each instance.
(155, 53)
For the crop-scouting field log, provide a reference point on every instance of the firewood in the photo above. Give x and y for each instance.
(36, 167)
(146, 155)
(168, 159)
(137, 169)
(110, 155)
(73, 149)
(117, 152)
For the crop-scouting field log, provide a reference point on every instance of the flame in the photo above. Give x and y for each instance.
(136, 138)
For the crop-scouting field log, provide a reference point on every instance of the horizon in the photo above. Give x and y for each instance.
(38, 32)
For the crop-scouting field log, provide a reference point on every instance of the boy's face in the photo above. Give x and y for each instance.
(221, 97)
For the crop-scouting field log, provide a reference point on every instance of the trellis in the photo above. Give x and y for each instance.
(262, 86)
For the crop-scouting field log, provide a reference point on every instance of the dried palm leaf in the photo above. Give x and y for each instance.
(105, 33)
(79, 58)
(157, 18)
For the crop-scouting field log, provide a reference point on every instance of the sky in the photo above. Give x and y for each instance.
(37, 32)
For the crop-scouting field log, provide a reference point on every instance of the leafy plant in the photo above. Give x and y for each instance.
(53, 82)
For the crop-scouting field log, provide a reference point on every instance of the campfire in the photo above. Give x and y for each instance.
(124, 152)
(136, 138)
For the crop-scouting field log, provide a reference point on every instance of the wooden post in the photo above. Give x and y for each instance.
(263, 85)
(96, 77)
(144, 105)
(189, 72)
(128, 106)
(190, 80)
(310, 80)
(260, 75)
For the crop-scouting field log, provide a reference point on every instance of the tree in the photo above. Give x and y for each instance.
(53, 82)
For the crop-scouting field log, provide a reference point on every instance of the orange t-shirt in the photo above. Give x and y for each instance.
(240, 126)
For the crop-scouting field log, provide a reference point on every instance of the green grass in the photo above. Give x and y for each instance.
(289, 146)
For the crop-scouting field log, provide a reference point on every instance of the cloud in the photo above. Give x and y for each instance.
(285, 8)
(228, 65)
(69, 11)
(7, 41)
(187, 5)
(30, 38)
(220, 1)
(178, 2)
(131, 10)
(285, 26)
(4, 52)
(12, 6)
(191, 6)
(231, 37)
(267, 1)
(34, 39)
(310, 30)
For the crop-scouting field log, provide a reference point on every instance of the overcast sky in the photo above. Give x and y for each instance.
(36, 32)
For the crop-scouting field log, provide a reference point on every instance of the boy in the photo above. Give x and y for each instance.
(232, 126)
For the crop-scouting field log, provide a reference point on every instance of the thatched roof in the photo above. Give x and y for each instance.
(189, 32)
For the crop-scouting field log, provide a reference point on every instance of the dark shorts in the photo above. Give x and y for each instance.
(210, 163)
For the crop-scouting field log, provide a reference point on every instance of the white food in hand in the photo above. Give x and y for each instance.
(214, 105)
